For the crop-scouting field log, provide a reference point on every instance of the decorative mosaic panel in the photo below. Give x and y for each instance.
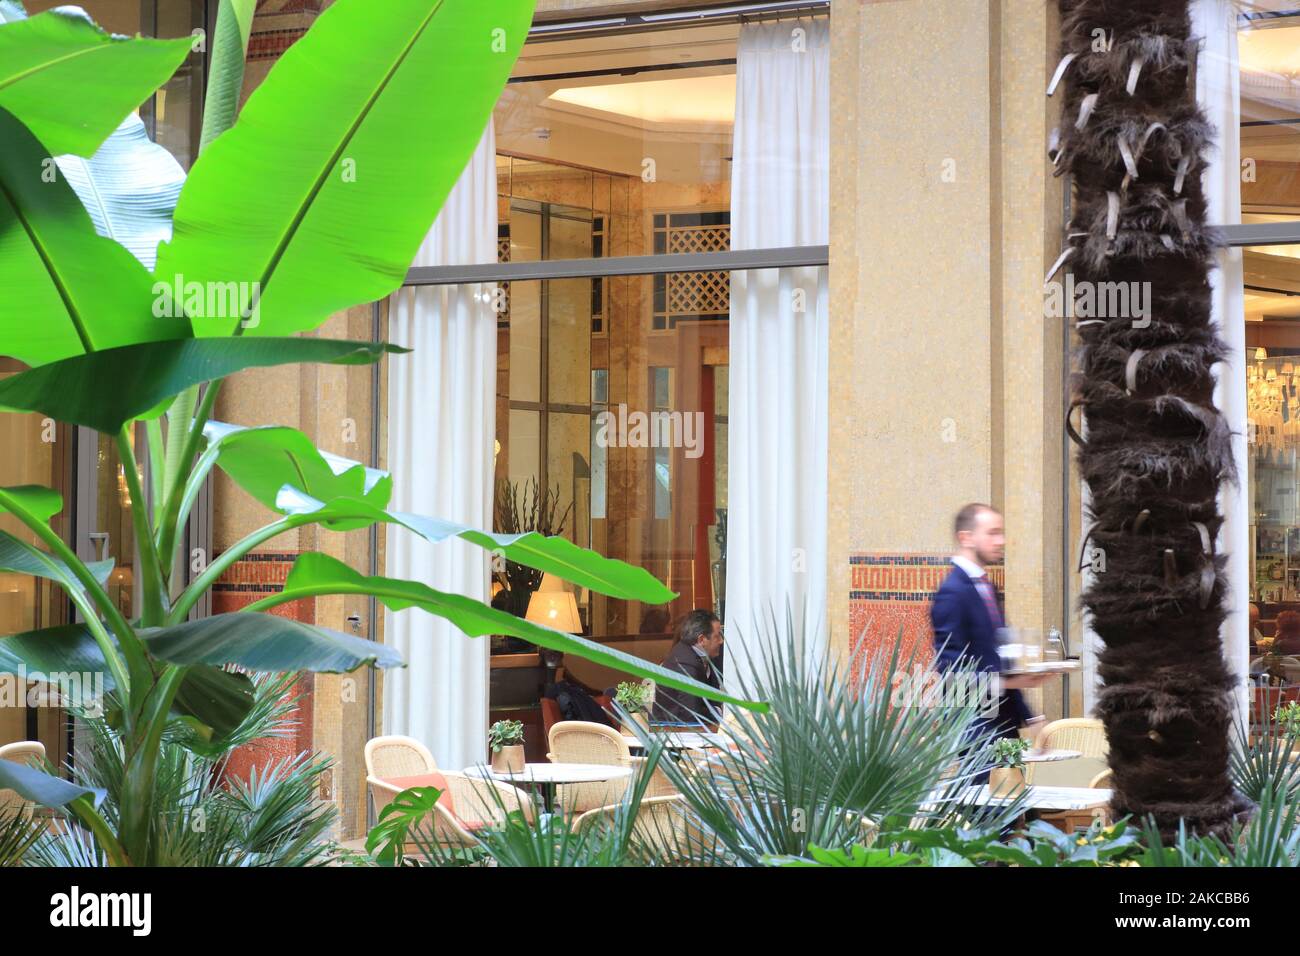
(691, 296)
(249, 579)
(252, 578)
(889, 600)
(278, 24)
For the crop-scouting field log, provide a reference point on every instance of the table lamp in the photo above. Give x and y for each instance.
(554, 605)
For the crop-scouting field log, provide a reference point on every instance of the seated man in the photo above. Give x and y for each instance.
(699, 642)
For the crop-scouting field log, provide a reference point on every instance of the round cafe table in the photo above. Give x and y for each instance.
(544, 777)
(1049, 756)
(683, 740)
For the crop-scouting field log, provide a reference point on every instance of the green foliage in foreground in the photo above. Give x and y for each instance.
(833, 776)
(315, 199)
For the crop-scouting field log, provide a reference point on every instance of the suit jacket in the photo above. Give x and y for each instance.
(678, 706)
(962, 626)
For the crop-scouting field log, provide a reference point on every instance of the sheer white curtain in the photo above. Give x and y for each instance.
(1218, 89)
(441, 426)
(777, 430)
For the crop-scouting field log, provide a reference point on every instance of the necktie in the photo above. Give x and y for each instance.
(990, 602)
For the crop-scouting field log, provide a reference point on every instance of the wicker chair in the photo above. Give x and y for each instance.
(1084, 734)
(398, 756)
(1103, 780)
(471, 803)
(24, 752)
(580, 741)
(661, 829)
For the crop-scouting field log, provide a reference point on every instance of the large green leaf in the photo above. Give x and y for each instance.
(33, 502)
(263, 460)
(265, 642)
(68, 657)
(18, 557)
(321, 193)
(67, 290)
(40, 787)
(129, 188)
(314, 574)
(71, 83)
(105, 390)
(59, 654)
(226, 71)
(553, 554)
(217, 698)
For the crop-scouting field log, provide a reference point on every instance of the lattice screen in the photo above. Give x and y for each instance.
(691, 296)
(503, 255)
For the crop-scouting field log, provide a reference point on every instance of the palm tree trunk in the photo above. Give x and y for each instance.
(1157, 450)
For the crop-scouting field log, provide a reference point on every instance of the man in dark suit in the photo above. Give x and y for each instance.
(695, 654)
(966, 615)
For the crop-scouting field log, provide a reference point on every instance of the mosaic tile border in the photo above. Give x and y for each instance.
(889, 600)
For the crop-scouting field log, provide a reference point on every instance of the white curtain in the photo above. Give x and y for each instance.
(1218, 90)
(777, 431)
(441, 429)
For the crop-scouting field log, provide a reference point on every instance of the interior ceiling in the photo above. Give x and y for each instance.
(672, 101)
(1270, 87)
(650, 99)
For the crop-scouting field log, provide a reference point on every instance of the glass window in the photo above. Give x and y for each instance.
(627, 432)
(173, 115)
(1272, 287)
(36, 453)
(1268, 50)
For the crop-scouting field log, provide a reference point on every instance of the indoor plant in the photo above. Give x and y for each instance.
(274, 217)
(520, 508)
(635, 698)
(1007, 775)
(506, 740)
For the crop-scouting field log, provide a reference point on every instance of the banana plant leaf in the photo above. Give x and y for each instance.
(265, 642)
(226, 71)
(18, 557)
(106, 389)
(31, 502)
(553, 554)
(262, 460)
(68, 657)
(129, 188)
(40, 787)
(71, 82)
(313, 205)
(68, 290)
(314, 574)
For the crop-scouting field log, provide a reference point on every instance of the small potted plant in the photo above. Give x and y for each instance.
(1287, 718)
(506, 740)
(1008, 773)
(634, 697)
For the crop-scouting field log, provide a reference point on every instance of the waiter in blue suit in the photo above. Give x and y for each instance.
(966, 615)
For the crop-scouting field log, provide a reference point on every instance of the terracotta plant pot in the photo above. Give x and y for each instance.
(508, 759)
(1006, 781)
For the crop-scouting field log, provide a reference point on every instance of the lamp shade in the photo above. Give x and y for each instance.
(554, 605)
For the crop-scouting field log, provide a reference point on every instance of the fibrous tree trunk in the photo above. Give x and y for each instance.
(1156, 449)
